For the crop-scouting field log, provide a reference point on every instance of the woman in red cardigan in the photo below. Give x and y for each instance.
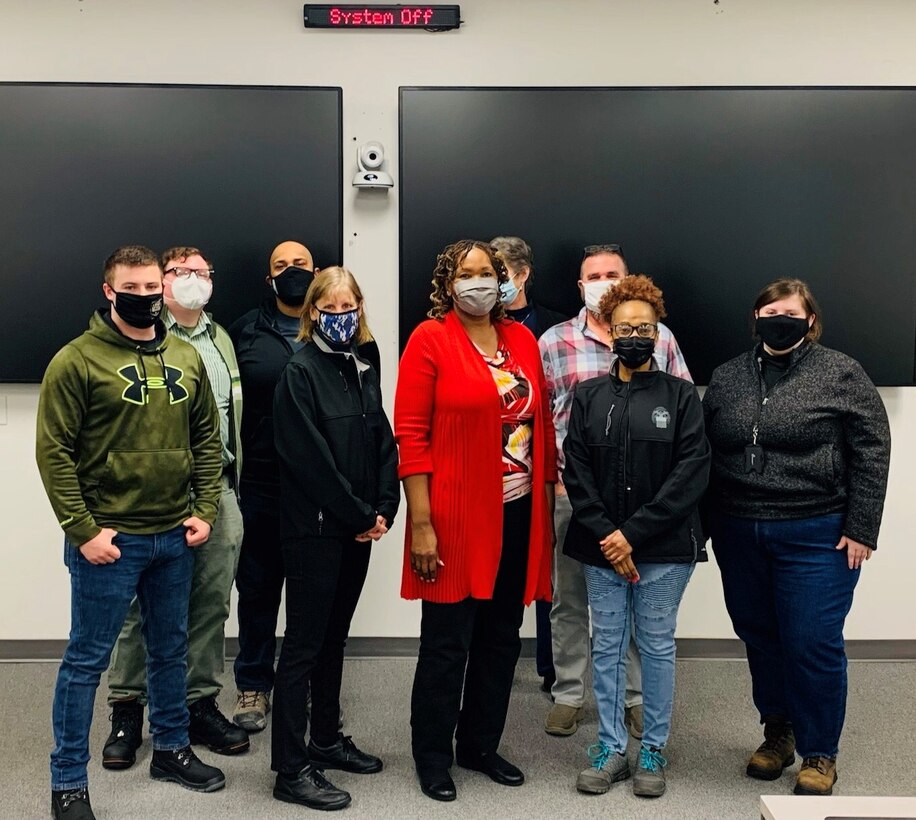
(478, 461)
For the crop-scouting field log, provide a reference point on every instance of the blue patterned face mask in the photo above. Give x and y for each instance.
(338, 328)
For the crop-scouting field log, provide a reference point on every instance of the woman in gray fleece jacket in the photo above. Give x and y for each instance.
(801, 448)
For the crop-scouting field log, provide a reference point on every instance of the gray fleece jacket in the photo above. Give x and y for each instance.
(824, 433)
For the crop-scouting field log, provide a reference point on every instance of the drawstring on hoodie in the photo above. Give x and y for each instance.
(165, 375)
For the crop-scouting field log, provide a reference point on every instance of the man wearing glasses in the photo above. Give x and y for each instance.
(187, 287)
(574, 351)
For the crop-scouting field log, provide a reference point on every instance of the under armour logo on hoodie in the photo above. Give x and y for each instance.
(139, 385)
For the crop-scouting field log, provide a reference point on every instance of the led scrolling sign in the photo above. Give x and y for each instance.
(352, 16)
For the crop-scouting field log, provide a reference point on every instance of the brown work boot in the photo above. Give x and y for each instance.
(563, 719)
(775, 753)
(817, 776)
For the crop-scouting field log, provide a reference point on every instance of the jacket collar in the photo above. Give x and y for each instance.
(796, 356)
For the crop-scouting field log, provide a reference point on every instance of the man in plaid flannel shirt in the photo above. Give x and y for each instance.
(574, 351)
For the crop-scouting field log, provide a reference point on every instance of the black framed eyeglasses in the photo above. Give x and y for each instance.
(594, 250)
(200, 273)
(645, 330)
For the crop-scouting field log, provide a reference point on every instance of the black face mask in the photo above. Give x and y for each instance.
(634, 351)
(781, 332)
(138, 310)
(292, 285)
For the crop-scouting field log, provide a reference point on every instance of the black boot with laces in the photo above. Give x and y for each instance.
(126, 734)
(212, 728)
(71, 804)
(183, 767)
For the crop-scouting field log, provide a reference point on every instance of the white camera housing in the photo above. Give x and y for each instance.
(370, 157)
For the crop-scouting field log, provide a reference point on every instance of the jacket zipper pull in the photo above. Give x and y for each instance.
(754, 432)
(320, 520)
(607, 427)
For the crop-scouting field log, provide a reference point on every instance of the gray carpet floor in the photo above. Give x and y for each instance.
(713, 731)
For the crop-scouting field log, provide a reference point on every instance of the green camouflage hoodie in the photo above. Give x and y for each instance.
(124, 434)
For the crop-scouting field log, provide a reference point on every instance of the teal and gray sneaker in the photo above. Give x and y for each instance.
(649, 780)
(607, 767)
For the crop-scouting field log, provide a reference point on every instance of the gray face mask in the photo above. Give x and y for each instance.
(477, 295)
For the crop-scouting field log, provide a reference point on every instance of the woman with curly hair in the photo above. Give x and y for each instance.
(637, 464)
(478, 462)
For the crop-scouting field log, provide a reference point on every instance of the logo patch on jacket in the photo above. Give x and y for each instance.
(661, 418)
(138, 387)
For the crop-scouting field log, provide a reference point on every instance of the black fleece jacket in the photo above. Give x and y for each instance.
(262, 354)
(637, 460)
(825, 438)
(337, 456)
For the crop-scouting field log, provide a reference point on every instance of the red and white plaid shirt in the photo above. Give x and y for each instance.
(572, 353)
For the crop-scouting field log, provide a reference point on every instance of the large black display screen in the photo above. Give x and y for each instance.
(86, 168)
(714, 192)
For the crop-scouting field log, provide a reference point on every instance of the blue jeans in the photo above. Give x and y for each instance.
(157, 569)
(788, 591)
(259, 580)
(653, 602)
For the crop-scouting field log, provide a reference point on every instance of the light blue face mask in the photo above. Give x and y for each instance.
(508, 291)
(338, 328)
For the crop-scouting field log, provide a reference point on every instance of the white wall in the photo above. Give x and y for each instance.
(504, 42)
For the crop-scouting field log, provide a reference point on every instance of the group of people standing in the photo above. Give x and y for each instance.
(541, 459)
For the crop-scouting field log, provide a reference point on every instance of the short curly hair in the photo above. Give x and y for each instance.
(447, 263)
(638, 288)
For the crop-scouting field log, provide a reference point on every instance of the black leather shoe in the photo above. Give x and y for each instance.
(498, 769)
(345, 756)
(310, 788)
(71, 804)
(437, 784)
(213, 729)
(126, 734)
(183, 767)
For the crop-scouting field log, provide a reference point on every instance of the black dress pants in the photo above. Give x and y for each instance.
(472, 645)
(324, 578)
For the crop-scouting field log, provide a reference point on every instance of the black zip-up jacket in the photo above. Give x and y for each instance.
(262, 354)
(825, 438)
(637, 460)
(337, 456)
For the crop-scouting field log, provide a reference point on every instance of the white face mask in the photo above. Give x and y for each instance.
(595, 290)
(191, 292)
(476, 295)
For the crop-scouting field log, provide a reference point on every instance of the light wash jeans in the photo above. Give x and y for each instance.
(653, 602)
(569, 625)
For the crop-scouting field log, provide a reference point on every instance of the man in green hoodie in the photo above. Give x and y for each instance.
(128, 447)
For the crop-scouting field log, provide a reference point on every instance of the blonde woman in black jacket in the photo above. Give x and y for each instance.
(340, 492)
(801, 448)
(637, 464)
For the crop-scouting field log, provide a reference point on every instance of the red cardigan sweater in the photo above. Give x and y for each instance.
(447, 423)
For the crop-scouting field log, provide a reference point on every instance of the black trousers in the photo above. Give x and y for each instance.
(259, 579)
(471, 645)
(324, 579)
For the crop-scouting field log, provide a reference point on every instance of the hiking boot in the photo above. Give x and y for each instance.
(212, 728)
(775, 753)
(607, 767)
(817, 776)
(183, 767)
(632, 718)
(310, 788)
(251, 710)
(71, 804)
(126, 734)
(649, 780)
(562, 719)
(343, 755)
